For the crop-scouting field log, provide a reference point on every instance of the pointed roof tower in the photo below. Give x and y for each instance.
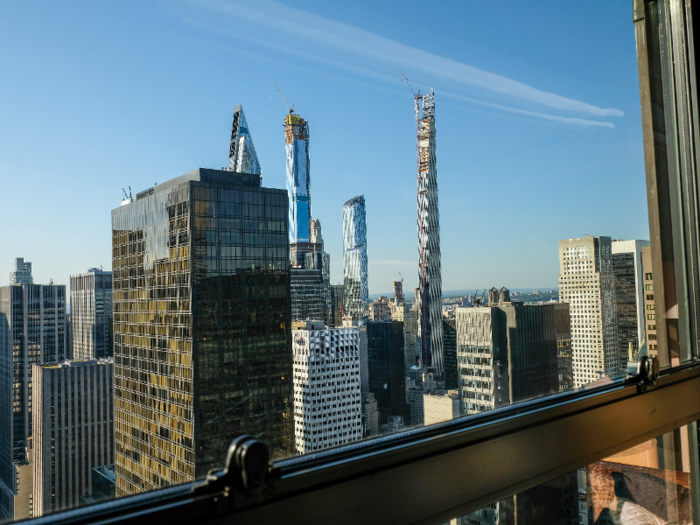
(242, 157)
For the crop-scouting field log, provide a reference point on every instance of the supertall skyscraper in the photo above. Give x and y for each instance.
(587, 283)
(429, 272)
(202, 326)
(91, 314)
(296, 133)
(355, 257)
(32, 330)
(242, 157)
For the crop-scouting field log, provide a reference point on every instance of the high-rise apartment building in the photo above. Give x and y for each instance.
(296, 133)
(387, 378)
(629, 292)
(355, 257)
(649, 303)
(73, 420)
(22, 274)
(327, 398)
(509, 353)
(32, 330)
(242, 157)
(308, 292)
(380, 310)
(91, 314)
(587, 284)
(429, 270)
(202, 326)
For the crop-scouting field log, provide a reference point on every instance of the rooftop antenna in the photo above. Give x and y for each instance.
(290, 109)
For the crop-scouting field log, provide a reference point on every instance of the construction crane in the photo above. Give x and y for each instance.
(290, 109)
(415, 95)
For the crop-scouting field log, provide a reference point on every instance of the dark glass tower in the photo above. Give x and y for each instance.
(202, 344)
(387, 378)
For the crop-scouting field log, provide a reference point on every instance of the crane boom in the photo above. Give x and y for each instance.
(291, 110)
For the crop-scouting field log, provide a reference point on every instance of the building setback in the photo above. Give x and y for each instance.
(91, 314)
(355, 258)
(202, 326)
(587, 284)
(327, 398)
(73, 416)
(509, 353)
(387, 379)
(32, 330)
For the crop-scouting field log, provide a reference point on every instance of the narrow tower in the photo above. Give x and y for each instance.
(355, 257)
(296, 132)
(429, 277)
(241, 156)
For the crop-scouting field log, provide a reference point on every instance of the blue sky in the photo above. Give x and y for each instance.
(537, 117)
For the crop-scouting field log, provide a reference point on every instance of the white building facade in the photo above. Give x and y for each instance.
(327, 396)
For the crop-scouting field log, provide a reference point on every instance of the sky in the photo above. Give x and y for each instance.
(538, 124)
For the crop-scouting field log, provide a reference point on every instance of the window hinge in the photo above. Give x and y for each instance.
(647, 373)
(242, 481)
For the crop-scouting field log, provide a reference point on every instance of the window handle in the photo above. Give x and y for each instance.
(647, 373)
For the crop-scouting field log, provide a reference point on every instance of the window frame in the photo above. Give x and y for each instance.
(434, 473)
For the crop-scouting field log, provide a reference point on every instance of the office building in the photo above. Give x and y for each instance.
(308, 294)
(429, 273)
(439, 407)
(387, 379)
(370, 415)
(242, 157)
(337, 304)
(355, 258)
(91, 314)
(22, 273)
(449, 345)
(629, 292)
(202, 321)
(321, 261)
(73, 419)
(649, 303)
(509, 353)
(587, 284)
(327, 399)
(32, 330)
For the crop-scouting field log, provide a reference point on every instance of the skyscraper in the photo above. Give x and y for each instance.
(587, 283)
(22, 273)
(337, 304)
(202, 326)
(241, 156)
(649, 304)
(327, 399)
(296, 132)
(73, 411)
(387, 378)
(629, 292)
(429, 272)
(509, 353)
(32, 330)
(308, 294)
(355, 257)
(91, 314)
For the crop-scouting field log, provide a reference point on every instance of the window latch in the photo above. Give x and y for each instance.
(647, 373)
(242, 480)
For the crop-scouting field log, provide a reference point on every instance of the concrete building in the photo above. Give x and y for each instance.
(587, 284)
(307, 289)
(380, 310)
(439, 407)
(32, 330)
(22, 274)
(91, 314)
(73, 412)
(649, 303)
(370, 415)
(387, 378)
(509, 353)
(327, 400)
(629, 292)
(204, 260)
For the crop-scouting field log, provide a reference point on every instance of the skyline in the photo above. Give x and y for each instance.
(144, 109)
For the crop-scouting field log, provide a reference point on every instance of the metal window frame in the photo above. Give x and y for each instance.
(431, 474)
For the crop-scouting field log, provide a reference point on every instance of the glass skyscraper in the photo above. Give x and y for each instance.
(91, 314)
(201, 326)
(296, 132)
(242, 157)
(355, 257)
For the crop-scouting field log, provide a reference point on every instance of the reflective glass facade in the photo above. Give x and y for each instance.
(355, 258)
(242, 157)
(296, 132)
(91, 314)
(201, 326)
